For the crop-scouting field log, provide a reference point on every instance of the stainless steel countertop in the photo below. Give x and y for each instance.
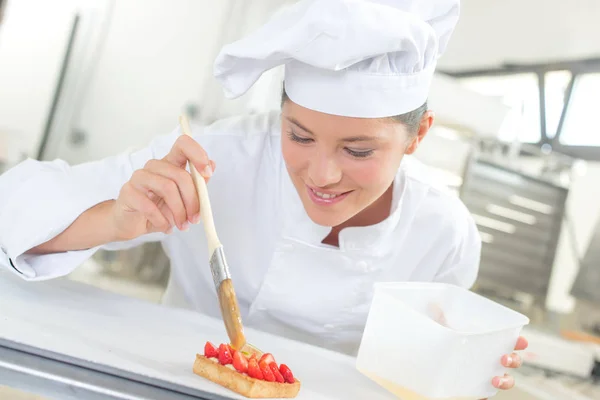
(55, 379)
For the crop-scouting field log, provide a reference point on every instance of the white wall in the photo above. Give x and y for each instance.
(156, 59)
(491, 32)
(33, 40)
(152, 63)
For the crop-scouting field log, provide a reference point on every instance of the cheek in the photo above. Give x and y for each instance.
(374, 174)
(366, 173)
(293, 155)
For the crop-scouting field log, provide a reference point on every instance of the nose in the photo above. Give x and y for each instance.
(323, 170)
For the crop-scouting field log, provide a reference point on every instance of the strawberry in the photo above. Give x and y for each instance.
(253, 357)
(287, 373)
(210, 350)
(225, 355)
(240, 363)
(266, 371)
(276, 373)
(254, 370)
(268, 358)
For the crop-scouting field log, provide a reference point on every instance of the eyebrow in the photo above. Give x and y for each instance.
(352, 139)
(295, 122)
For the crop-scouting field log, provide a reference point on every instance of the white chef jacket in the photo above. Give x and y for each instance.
(287, 282)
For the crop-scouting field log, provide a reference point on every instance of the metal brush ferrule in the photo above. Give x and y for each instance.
(219, 267)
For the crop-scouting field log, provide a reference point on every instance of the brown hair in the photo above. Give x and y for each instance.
(411, 119)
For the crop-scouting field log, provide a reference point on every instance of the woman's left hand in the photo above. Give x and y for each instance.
(510, 361)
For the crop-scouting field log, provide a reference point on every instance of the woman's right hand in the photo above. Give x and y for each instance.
(162, 195)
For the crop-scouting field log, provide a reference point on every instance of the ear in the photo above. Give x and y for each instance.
(424, 126)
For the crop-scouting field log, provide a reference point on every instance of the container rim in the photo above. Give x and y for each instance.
(524, 319)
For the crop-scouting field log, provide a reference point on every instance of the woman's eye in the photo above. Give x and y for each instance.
(354, 153)
(359, 153)
(297, 138)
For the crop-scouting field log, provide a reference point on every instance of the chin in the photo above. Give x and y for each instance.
(328, 218)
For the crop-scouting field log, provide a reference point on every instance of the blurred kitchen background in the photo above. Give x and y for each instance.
(517, 138)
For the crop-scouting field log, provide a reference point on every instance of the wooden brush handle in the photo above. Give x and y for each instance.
(205, 208)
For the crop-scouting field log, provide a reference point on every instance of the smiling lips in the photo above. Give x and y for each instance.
(325, 198)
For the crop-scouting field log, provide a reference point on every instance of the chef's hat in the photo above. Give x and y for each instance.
(356, 58)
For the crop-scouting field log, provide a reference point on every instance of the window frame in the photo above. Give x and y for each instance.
(577, 68)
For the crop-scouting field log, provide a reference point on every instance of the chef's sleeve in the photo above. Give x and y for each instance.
(39, 200)
(462, 264)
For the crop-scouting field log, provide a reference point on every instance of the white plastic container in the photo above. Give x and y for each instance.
(436, 341)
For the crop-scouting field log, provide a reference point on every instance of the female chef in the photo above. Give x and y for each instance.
(313, 204)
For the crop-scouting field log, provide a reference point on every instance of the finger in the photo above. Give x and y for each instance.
(148, 208)
(522, 343)
(184, 182)
(504, 383)
(512, 361)
(187, 149)
(166, 189)
(164, 209)
(213, 166)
